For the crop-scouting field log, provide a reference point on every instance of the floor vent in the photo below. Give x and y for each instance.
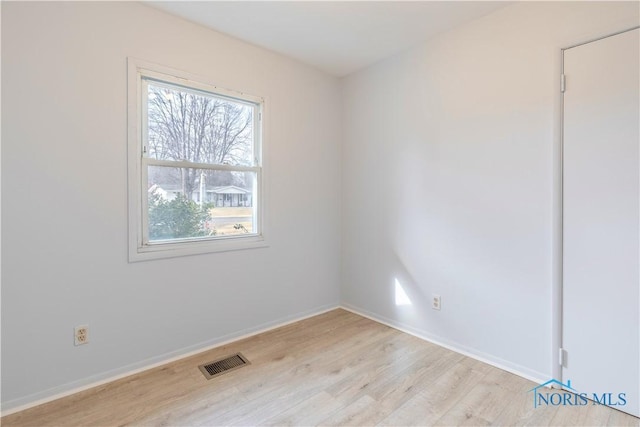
(222, 366)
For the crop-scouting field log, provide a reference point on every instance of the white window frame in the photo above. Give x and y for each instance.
(140, 249)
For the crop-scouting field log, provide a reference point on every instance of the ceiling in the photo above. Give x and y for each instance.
(338, 37)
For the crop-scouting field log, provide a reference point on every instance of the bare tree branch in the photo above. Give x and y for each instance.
(198, 128)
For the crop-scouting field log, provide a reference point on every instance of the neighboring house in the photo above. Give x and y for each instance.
(228, 195)
(220, 196)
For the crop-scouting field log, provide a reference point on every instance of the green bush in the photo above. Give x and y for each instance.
(177, 218)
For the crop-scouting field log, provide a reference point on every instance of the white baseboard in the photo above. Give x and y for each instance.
(22, 403)
(51, 394)
(521, 371)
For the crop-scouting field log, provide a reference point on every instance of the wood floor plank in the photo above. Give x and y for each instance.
(352, 414)
(309, 412)
(589, 415)
(337, 368)
(440, 397)
(309, 377)
(618, 418)
(480, 406)
(404, 385)
(382, 366)
(518, 411)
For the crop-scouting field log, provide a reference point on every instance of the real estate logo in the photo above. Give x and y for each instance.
(568, 396)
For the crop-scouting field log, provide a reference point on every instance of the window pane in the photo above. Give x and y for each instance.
(198, 127)
(199, 203)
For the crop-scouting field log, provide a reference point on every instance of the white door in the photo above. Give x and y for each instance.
(601, 192)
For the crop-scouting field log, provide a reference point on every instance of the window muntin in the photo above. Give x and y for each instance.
(199, 166)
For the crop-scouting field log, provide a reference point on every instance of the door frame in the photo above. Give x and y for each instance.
(558, 223)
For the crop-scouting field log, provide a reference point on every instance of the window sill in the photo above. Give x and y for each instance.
(179, 249)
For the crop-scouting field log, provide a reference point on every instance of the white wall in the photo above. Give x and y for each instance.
(64, 198)
(450, 181)
(449, 174)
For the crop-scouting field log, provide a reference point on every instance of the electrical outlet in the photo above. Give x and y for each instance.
(81, 335)
(436, 302)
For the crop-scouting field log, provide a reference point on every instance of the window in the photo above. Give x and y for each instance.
(195, 165)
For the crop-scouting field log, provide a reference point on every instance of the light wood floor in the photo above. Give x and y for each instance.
(333, 369)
